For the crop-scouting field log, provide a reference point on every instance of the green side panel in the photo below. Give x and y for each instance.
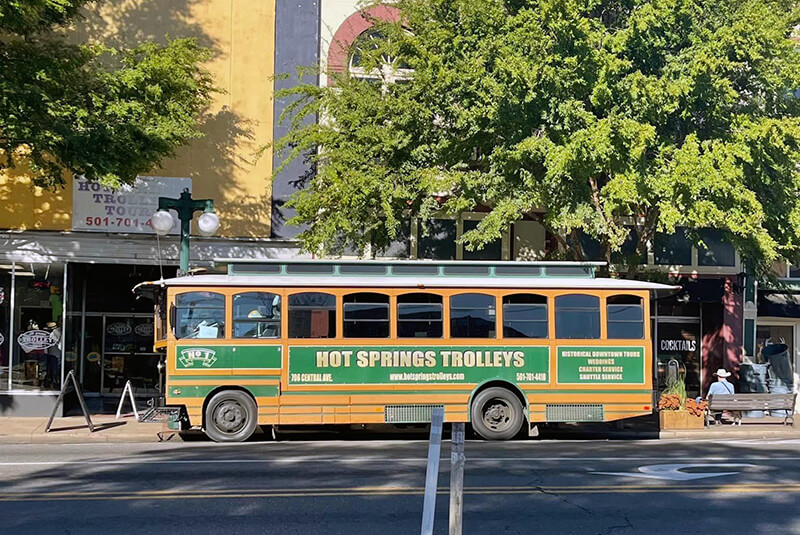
(201, 391)
(200, 357)
(256, 357)
(580, 365)
(343, 365)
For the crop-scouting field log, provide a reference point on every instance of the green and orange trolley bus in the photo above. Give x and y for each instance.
(497, 345)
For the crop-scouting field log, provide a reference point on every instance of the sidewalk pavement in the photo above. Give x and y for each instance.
(73, 430)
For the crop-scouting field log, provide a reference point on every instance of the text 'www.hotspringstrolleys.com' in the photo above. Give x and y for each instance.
(420, 376)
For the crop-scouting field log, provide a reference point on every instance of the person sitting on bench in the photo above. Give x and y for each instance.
(722, 386)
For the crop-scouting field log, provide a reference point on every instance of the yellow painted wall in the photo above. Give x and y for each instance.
(222, 164)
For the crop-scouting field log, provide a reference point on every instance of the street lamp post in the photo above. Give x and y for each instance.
(207, 223)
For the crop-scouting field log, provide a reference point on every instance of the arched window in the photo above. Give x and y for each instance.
(256, 315)
(472, 316)
(625, 317)
(525, 316)
(199, 315)
(419, 315)
(387, 70)
(312, 315)
(366, 315)
(361, 23)
(578, 316)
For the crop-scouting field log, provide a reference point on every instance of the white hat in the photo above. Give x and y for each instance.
(722, 372)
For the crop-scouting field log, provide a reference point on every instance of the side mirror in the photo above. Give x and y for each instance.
(172, 315)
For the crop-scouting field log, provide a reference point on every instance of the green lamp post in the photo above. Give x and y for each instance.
(207, 223)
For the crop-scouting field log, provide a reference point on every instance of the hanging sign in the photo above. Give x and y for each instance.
(128, 209)
(36, 340)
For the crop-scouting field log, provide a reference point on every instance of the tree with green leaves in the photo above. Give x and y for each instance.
(616, 119)
(106, 113)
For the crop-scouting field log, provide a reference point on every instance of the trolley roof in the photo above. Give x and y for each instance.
(412, 274)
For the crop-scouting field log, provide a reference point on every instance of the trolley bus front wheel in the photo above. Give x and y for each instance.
(497, 414)
(231, 416)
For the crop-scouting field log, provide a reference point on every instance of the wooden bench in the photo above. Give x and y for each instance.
(753, 402)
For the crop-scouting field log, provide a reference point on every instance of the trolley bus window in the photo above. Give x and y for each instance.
(256, 315)
(419, 316)
(578, 316)
(312, 315)
(472, 316)
(525, 316)
(200, 315)
(366, 315)
(625, 317)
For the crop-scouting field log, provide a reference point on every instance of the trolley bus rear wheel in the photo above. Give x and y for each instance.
(231, 416)
(497, 414)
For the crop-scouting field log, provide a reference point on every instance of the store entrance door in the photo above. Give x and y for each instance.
(679, 339)
(128, 355)
(118, 349)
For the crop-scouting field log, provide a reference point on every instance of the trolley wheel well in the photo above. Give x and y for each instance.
(514, 389)
(220, 389)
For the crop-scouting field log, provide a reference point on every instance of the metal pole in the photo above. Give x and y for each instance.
(11, 334)
(457, 460)
(184, 257)
(432, 472)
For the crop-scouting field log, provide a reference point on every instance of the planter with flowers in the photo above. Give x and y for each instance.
(676, 411)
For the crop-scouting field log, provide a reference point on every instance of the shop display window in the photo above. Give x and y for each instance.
(35, 325)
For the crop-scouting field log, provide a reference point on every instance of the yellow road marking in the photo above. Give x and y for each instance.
(174, 494)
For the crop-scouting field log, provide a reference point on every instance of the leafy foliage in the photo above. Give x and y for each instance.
(108, 114)
(603, 117)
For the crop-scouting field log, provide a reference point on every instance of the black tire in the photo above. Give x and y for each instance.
(231, 416)
(497, 414)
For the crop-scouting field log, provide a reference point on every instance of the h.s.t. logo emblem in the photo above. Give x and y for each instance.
(206, 357)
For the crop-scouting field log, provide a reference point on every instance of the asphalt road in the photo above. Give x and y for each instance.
(374, 486)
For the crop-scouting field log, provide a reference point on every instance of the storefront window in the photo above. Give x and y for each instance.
(38, 317)
(673, 249)
(491, 251)
(773, 334)
(438, 242)
(5, 326)
(718, 250)
(679, 340)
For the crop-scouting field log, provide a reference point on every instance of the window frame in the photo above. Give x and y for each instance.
(546, 321)
(609, 321)
(388, 320)
(600, 302)
(397, 320)
(174, 319)
(450, 317)
(289, 293)
(256, 321)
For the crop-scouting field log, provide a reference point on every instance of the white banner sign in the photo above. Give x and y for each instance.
(125, 210)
